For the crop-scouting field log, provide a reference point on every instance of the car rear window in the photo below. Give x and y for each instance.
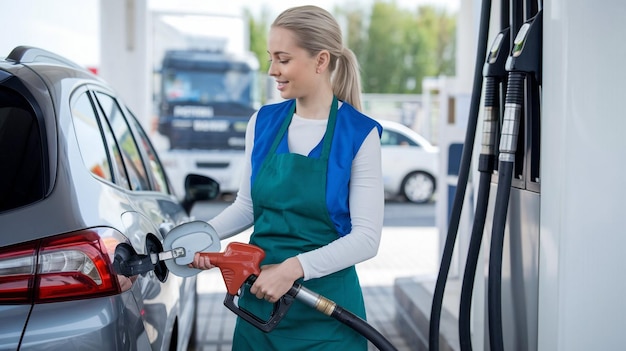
(21, 156)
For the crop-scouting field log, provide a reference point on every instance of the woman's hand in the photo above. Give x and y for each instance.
(201, 262)
(275, 280)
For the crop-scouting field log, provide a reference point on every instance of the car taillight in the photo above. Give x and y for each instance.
(65, 267)
(17, 273)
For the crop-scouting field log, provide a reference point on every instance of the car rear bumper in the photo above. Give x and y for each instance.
(108, 323)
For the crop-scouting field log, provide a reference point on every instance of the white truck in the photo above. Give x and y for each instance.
(207, 91)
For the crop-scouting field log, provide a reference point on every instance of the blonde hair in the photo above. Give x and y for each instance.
(316, 29)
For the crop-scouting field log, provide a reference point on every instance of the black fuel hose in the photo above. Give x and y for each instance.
(494, 283)
(494, 72)
(464, 170)
(508, 146)
(465, 305)
(315, 301)
(330, 308)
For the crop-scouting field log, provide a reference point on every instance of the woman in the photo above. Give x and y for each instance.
(312, 187)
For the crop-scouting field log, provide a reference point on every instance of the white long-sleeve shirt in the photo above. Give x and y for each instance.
(366, 201)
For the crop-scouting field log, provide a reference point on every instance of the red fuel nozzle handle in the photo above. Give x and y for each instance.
(237, 263)
(240, 263)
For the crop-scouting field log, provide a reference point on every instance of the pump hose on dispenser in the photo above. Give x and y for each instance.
(494, 74)
(464, 170)
(508, 145)
(525, 60)
(472, 258)
(485, 167)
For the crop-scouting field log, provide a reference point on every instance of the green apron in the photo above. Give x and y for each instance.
(291, 217)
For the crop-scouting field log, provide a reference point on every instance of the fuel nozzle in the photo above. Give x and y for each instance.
(237, 263)
(524, 59)
(494, 73)
(525, 56)
(240, 264)
(523, 62)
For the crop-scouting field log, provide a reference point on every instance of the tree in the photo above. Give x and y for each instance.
(258, 37)
(382, 57)
(396, 48)
(439, 29)
(355, 31)
(258, 45)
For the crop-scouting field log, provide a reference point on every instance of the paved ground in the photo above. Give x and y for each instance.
(404, 251)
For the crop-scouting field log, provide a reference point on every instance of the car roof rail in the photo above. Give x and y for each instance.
(29, 54)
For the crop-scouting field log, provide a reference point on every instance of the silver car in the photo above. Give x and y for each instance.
(84, 200)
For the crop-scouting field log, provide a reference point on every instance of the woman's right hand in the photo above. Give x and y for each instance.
(201, 262)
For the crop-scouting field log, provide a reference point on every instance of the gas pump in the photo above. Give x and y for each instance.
(494, 74)
(464, 170)
(519, 66)
(554, 272)
(523, 63)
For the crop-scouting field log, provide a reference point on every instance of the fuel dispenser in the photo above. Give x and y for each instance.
(464, 172)
(515, 64)
(494, 75)
(524, 67)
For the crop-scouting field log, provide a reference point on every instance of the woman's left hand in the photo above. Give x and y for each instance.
(275, 280)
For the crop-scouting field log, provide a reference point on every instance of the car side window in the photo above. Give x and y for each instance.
(90, 142)
(119, 170)
(385, 138)
(131, 158)
(154, 165)
(392, 138)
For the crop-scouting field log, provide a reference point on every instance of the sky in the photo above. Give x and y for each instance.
(276, 7)
(49, 24)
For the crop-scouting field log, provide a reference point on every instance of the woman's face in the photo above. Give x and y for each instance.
(290, 65)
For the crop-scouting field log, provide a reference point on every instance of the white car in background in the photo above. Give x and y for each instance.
(410, 163)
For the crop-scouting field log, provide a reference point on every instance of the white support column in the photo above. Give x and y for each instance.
(124, 59)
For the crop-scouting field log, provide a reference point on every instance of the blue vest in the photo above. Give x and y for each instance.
(350, 131)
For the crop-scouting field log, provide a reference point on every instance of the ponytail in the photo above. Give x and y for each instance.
(346, 79)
